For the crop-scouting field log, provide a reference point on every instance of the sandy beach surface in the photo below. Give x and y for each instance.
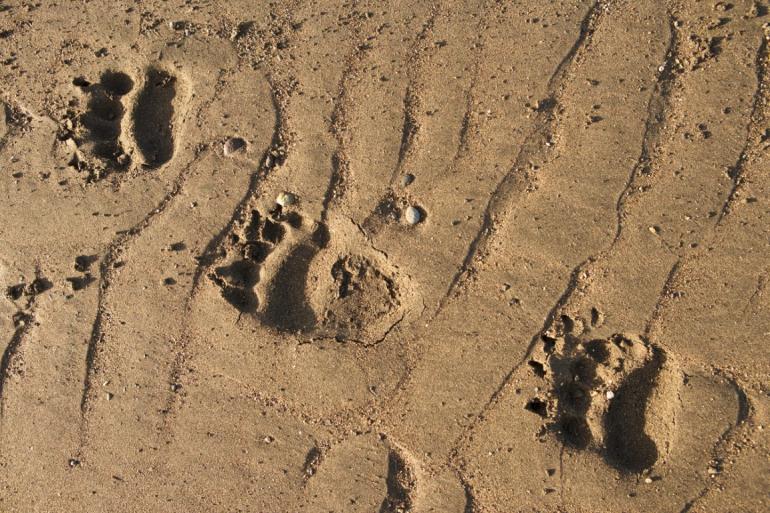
(384, 256)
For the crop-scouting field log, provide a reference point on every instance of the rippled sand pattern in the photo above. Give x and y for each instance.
(389, 257)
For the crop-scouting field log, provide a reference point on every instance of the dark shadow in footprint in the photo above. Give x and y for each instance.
(399, 482)
(288, 308)
(628, 447)
(80, 282)
(153, 118)
(237, 282)
(116, 83)
(98, 128)
(575, 432)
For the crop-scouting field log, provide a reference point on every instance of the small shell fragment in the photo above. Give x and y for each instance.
(285, 199)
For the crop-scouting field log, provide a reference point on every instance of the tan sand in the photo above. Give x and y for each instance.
(457, 257)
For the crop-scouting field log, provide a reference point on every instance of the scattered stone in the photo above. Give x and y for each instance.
(175, 387)
(407, 179)
(169, 281)
(654, 230)
(648, 480)
(285, 199)
(234, 145)
(610, 394)
(177, 246)
(412, 215)
(74, 462)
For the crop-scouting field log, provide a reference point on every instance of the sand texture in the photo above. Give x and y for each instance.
(385, 256)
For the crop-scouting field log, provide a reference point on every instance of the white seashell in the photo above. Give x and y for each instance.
(285, 199)
(412, 215)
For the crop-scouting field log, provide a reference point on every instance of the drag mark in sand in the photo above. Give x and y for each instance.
(340, 164)
(537, 142)
(413, 103)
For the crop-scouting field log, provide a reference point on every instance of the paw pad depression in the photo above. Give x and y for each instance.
(598, 395)
(116, 128)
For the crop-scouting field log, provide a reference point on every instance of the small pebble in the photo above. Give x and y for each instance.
(412, 215)
(648, 480)
(285, 199)
(610, 394)
(234, 145)
(407, 179)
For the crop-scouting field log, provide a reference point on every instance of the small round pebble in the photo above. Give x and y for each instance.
(407, 179)
(234, 145)
(412, 215)
(610, 394)
(285, 199)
